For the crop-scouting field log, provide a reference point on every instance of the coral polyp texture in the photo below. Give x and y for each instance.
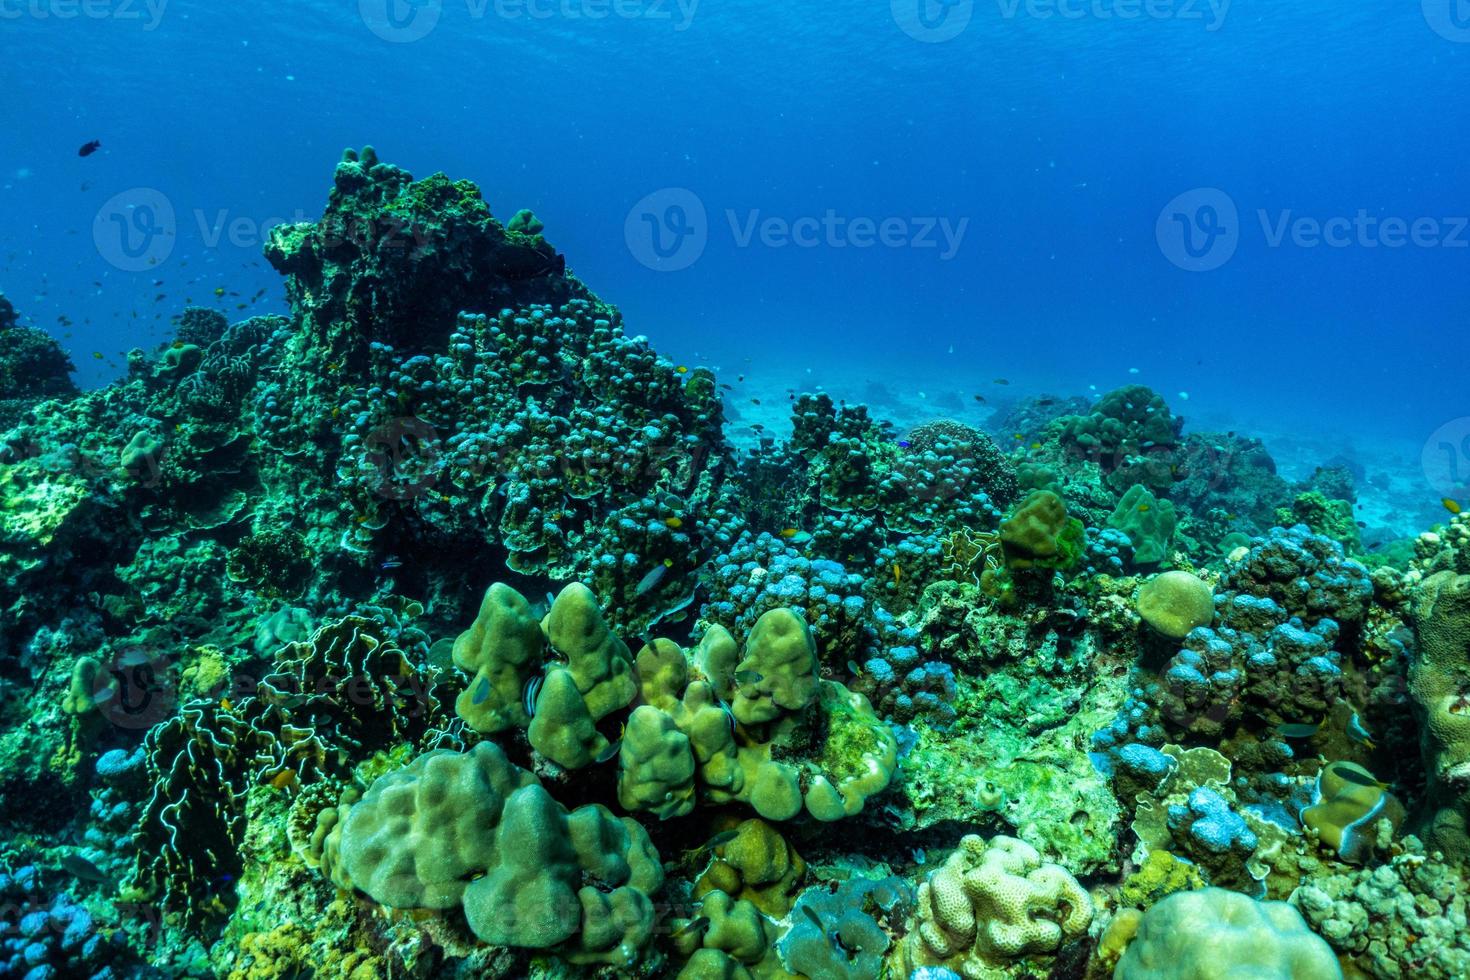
(444, 627)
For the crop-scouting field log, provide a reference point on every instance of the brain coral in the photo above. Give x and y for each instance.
(991, 903)
(1214, 934)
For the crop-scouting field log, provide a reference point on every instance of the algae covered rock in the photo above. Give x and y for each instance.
(1174, 603)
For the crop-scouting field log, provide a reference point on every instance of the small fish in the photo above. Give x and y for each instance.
(718, 840)
(528, 696)
(788, 533)
(1133, 370)
(650, 581)
(920, 857)
(482, 691)
(1358, 732)
(89, 148)
(608, 751)
(1451, 505)
(726, 387)
(1036, 445)
(745, 677)
(1297, 730)
(854, 669)
(79, 867)
(897, 574)
(681, 369)
(980, 398)
(673, 523)
(1144, 508)
(755, 401)
(697, 924)
(904, 444)
(97, 355)
(391, 564)
(1184, 396)
(668, 563)
(1018, 436)
(284, 779)
(1001, 381)
(1350, 774)
(219, 291)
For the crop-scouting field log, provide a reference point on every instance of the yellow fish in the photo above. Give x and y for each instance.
(1453, 506)
(789, 533)
(897, 574)
(681, 369)
(1143, 508)
(219, 291)
(673, 523)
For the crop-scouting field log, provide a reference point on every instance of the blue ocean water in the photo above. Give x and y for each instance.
(929, 195)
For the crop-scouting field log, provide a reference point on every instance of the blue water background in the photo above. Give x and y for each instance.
(1058, 140)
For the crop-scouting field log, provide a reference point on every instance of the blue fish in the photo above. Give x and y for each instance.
(529, 695)
(482, 691)
(650, 581)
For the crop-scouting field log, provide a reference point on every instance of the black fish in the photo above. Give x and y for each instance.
(89, 148)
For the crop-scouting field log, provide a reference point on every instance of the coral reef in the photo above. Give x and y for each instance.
(850, 703)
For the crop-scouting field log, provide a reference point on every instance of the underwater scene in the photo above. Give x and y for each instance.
(728, 490)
